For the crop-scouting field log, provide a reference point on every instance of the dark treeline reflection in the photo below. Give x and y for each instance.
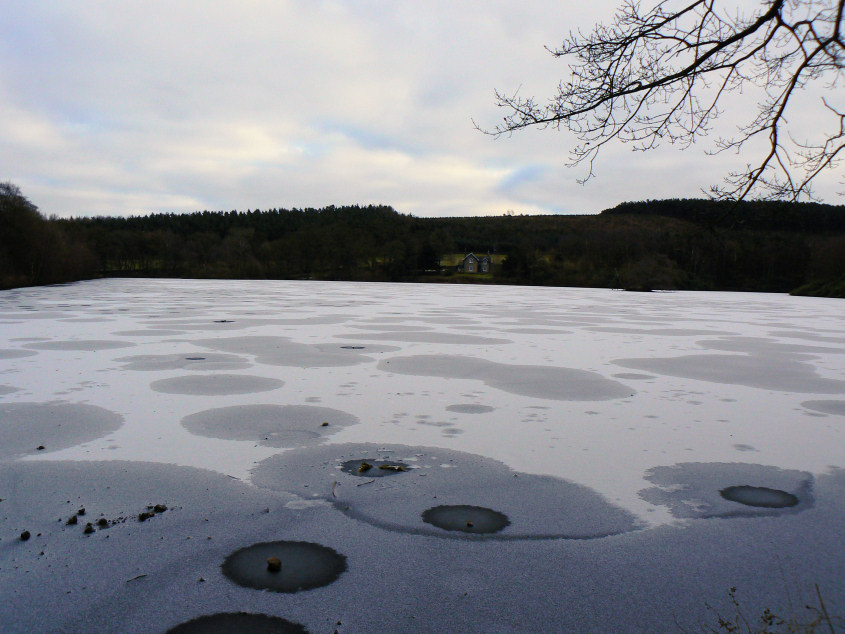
(669, 244)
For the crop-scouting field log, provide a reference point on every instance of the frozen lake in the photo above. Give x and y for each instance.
(614, 461)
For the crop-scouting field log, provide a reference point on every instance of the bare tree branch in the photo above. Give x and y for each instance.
(659, 76)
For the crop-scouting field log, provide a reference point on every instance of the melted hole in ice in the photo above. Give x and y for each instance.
(216, 384)
(367, 468)
(228, 622)
(304, 565)
(466, 518)
(470, 408)
(759, 496)
(353, 347)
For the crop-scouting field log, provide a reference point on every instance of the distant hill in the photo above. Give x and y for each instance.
(767, 215)
(665, 244)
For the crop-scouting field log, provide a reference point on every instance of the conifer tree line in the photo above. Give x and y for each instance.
(667, 244)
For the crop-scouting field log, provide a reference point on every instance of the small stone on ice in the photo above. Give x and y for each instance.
(274, 564)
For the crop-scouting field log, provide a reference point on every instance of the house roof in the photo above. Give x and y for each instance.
(472, 255)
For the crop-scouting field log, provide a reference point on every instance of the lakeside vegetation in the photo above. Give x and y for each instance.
(667, 244)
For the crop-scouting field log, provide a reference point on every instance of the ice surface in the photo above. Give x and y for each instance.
(539, 507)
(574, 412)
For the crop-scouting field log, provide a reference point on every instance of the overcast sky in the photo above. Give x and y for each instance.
(118, 108)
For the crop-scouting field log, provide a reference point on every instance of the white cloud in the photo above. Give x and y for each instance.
(119, 108)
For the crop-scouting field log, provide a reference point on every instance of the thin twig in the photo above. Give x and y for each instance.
(824, 610)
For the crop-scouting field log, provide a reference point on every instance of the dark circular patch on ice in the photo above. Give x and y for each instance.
(744, 447)
(465, 518)
(26, 426)
(305, 565)
(427, 337)
(696, 490)
(269, 425)
(550, 382)
(185, 361)
(783, 373)
(537, 331)
(216, 385)
(659, 332)
(151, 332)
(238, 623)
(88, 345)
(13, 353)
(633, 376)
(8, 389)
(470, 408)
(282, 351)
(376, 468)
(353, 347)
(539, 507)
(763, 497)
(837, 408)
(764, 346)
(201, 504)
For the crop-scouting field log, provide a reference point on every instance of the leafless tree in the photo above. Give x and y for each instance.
(662, 75)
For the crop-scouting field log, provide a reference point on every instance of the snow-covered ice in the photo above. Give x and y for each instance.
(649, 451)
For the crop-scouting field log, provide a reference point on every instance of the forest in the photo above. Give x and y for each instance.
(642, 246)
